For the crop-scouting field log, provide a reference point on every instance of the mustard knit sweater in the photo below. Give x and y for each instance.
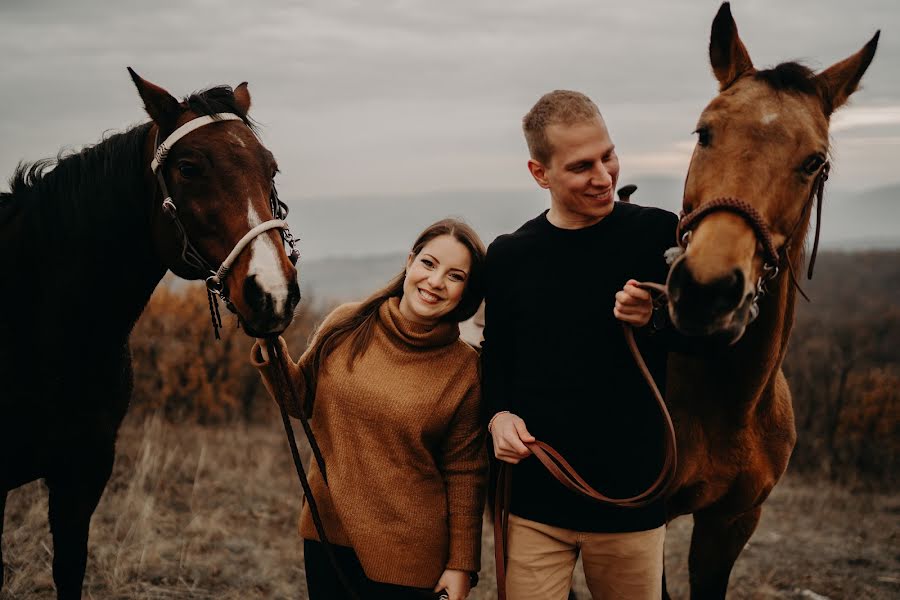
(404, 449)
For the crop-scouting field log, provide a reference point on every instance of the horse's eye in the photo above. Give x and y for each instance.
(703, 136)
(813, 164)
(188, 170)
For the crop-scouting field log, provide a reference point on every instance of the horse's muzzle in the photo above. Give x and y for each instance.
(718, 308)
(268, 314)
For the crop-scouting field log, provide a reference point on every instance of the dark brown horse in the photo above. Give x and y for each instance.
(761, 157)
(84, 240)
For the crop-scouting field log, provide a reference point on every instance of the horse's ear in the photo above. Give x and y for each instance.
(841, 79)
(242, 97)
(160, 105)
(727, 53)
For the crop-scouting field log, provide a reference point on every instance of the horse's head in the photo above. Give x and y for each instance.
(219, 179)
(760, 156)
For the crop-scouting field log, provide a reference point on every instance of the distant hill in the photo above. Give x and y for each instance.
(367, 226)
(373, 226)
(338, 279)
(353, 278)
(351, 246)
(867, 220)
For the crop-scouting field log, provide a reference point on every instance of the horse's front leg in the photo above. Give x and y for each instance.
(716, 542)
(75, 491)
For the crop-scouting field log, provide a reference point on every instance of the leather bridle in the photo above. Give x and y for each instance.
(190, 256)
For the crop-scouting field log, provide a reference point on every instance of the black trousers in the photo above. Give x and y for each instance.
(322, 581)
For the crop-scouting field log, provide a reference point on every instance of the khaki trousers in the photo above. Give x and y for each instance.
(627, 566)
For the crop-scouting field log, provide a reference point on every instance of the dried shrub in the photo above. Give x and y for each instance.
(184, 374)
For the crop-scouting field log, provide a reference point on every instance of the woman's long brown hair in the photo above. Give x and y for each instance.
(360, 325)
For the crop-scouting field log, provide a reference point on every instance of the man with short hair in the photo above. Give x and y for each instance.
(557, 368)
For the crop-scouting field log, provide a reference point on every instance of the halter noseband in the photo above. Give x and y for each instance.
(215, 281)
(772, 256)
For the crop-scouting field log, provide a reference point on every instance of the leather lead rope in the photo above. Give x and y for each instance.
(569, 477)
(284, 390)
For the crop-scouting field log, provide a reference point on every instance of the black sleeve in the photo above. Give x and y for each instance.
(497, 347)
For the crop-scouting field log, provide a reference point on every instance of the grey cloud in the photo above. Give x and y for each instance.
(410, 96)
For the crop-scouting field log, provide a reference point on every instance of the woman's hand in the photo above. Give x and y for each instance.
(455, 583)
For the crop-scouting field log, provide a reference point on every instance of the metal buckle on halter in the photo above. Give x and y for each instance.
(686, 238)
(771, 271)
(215, 285)
(760, 292)
(294, 254)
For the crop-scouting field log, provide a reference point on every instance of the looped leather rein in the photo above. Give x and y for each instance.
(560, 468)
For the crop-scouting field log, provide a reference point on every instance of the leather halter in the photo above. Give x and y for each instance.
(215, 277)
(772, 256)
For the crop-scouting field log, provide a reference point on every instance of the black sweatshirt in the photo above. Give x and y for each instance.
(555, 355)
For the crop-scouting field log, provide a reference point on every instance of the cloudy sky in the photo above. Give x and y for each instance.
(415, 97)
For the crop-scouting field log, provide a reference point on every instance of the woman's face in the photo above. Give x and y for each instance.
(435, 280)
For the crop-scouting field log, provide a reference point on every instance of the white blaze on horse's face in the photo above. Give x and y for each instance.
(265, 265)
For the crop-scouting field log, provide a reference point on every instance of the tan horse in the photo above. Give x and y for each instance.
(763, 141)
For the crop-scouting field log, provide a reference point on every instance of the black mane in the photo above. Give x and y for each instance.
(73, 189)
(217, 99)
(66, 195)
(790, 77)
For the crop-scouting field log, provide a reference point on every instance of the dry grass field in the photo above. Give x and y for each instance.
(196, 512)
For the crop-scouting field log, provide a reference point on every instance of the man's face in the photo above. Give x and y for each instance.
(582, 173)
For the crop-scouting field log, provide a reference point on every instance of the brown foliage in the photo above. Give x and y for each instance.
(842, 364)
(182, 372)
(844, 369)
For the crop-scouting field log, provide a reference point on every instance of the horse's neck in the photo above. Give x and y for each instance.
(753, 363)
(114, 268)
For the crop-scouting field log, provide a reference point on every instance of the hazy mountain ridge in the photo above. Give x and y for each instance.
(371, 226)
(351, 246)
(344, 279)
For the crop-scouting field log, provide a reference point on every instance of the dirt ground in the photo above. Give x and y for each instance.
(211, 513)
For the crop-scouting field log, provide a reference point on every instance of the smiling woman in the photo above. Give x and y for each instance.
(390, 379)
(435, 280)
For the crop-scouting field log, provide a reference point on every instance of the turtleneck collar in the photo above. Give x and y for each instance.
(412, 333)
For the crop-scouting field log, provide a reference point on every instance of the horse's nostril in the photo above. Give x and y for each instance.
(293, 295)
(713, 298)
(729, 290)
(255, 297)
